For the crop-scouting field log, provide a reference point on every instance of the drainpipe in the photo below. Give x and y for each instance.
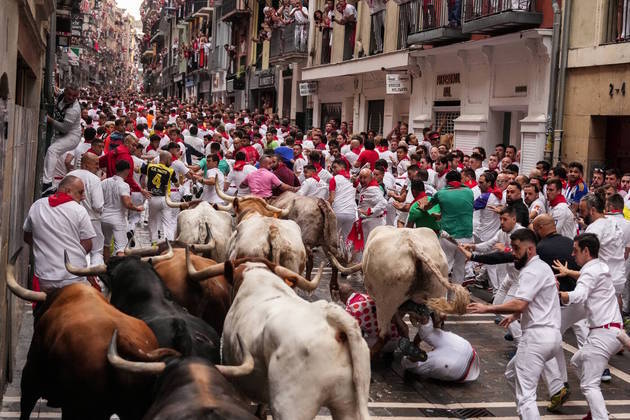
(553, 81)
(562, 77)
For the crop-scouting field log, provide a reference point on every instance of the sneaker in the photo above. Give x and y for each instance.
(558, 399)
(508, 337)
(498, 319)
(408, 349)
(606, 377)
(131, 239)
(469, 282)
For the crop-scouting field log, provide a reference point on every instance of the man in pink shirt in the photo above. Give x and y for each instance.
(262, 181)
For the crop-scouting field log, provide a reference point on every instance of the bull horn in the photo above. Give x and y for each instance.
(154, 368)
(208, 246)
(211, 271)
(341, 268)
(223, 196)
(227, 208)
(17, 289)
(141, 252)
(300, 281)
(93, 270)
(282, 212)
(173, 204)
(169, 254)
(244, 369)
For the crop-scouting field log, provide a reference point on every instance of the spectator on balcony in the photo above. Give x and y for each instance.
(299, 14)
(377, 15)
(454, 13)
(284, 12)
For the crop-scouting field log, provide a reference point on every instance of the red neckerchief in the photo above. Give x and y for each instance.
(150, 147)
(59, 199)
(225, 135)
(315, 177)
(559, 199)
(299, 157)
(239, 164)
(454, 184)
(344, 173)
(139, 134)
(460, 165)
(564, 184)
(444, 172)
(356, 150)
(471, 184)
(615, 212)
(175, 157)
(317, 166)
(577, 181)
(373, 183)
(419, 197)
(382, 149)
(496, 191)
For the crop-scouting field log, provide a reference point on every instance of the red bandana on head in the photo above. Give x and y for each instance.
(59, 199)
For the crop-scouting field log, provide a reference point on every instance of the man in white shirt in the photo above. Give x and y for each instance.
(56, 224)
(372, 204)
(531, 196)
(536, 305)
(93, 202)
(560, 210)
(237, 175)
(595, 291)
(313, 186)
(342, 198)
(117, 200)
(195, 142)
(614, 211)
(212, 176)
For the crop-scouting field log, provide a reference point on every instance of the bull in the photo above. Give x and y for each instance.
(318, 343)
(406, 264)
(66, 362)
(191, 387)
(136, 289)
(196, 224)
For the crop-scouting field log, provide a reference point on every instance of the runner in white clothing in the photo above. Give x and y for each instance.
(312, 185)
(237, 175)
(536, 305)
(212, 176)
(595, 291)
(560, 210)
(342, 198)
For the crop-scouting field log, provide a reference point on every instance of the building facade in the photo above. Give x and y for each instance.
(596, 125)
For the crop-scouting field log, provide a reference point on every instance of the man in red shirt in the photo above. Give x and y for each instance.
(369, 155)
(122, 152)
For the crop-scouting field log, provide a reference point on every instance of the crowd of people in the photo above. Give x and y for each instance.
(115, 159)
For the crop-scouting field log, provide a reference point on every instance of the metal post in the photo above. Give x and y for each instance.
(553, 80)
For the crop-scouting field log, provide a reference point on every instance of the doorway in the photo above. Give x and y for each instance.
(376, 113)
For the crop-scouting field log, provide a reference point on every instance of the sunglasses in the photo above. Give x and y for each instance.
(598, 170)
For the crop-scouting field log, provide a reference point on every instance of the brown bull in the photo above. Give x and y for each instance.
(67, 360)
(208, 298)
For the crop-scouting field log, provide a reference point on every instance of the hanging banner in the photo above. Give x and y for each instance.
(397, 83)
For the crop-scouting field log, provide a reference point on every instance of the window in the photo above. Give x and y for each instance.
(376, 111)
(330, 112)
(447, 118)
(618, 21)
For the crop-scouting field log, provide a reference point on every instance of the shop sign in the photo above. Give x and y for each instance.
(308, 88)
(397, 83)
(266, 80)
(448, 86)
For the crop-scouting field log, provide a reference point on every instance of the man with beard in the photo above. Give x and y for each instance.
(514, 198)
(559, 209)
(535, 205)
(576, 188)
(536, 305)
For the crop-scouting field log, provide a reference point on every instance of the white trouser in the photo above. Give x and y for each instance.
(456, 259)
(390, 215)
(116, 229)
(344, 224)
(58, 147)
(495, 275)
(369, 224)
(137, 199)
(170, 218)
(625, 296)
(506, 292)
(49, 286)
(158, 212)
(96, 254)
(590, 361)
(537, 346)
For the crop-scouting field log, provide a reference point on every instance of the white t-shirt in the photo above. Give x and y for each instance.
(114, 211)
(611, 247)
(60, 169)
(235, 178)
(313, 188)
(54, 230)
(93, 202)
(209, 192)
(350, 10)
(537, 286)
(197, 144)
(565, 220)
(344, 202)
(79, 151)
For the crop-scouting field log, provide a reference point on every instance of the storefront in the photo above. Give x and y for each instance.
(263, 91)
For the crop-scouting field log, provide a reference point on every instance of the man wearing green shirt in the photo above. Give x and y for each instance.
(456, 205)
(417, 216)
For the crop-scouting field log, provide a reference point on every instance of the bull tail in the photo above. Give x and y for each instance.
(330, 227)
(359, 355)
(461, 297)
(277, 245)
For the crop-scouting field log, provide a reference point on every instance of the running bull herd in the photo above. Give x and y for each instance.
(205, 326)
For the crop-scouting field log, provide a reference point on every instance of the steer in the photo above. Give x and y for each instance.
(136, 289)
(190, 388)
(403, 264)
(194, 224)
(306, 355)
(66, 362)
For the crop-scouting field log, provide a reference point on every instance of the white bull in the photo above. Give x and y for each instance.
(191, 227)
(403, 264)
(306, 355)
(277, 240)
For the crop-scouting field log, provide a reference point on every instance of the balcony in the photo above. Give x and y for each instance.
(499, 16)
(195, 8)
(618, 22)
(288, 43)
(234, 10)
(439, 24)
